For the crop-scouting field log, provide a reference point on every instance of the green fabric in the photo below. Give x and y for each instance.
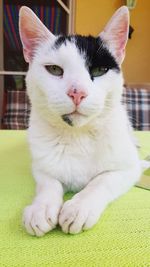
(120, 238)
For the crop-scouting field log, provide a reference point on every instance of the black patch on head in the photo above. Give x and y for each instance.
(96, 54)
(61, 40)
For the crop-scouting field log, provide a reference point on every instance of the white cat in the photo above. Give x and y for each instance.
(78, 135)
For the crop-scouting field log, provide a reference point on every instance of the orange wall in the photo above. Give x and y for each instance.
(92, 15)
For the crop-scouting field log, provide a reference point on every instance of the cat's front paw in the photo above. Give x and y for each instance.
(39, 219)
(77, 215)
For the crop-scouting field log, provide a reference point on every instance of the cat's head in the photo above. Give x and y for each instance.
(73, 79)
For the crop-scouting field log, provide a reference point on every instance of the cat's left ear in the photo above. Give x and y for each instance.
(115, 34)
(32, 32)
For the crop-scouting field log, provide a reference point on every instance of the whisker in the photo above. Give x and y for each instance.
(100, 47)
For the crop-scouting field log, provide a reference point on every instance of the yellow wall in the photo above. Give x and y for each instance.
(92, 15)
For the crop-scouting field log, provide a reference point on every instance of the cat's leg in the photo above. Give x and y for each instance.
(42, 215)
(84, 209)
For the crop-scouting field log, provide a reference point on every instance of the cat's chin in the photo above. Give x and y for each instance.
(75, 119)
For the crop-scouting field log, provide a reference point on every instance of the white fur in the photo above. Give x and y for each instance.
(96, 157)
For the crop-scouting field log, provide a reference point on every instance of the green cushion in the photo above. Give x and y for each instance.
(120, 238)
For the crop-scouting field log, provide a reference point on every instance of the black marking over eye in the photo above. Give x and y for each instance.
(62, 40)
(94, 50)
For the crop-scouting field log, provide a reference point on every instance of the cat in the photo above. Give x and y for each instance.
(79, 133)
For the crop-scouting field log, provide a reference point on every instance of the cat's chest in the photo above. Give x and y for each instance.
(74, 162)
(74, 167)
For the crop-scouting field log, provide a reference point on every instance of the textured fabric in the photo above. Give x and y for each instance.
(121, 238)
(137, 103)
(17, 110)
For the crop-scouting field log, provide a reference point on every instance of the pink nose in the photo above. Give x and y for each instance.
(76, 95)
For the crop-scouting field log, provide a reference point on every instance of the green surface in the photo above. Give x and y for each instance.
(121, 237)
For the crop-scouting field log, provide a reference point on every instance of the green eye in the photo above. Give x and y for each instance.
(54, 70)
(98, 71)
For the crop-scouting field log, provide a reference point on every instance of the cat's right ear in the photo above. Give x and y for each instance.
(32, 32)
(115, 33)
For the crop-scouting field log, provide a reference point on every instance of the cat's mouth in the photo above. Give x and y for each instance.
(68, 118)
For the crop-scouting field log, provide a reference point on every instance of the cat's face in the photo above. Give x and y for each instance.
(73, 79)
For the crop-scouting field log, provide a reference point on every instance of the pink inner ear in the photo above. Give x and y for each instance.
(122, 39)
(30, 40)
(123, 35)
(115, 33)
(32, 32)
(28, 55)
(27, 47)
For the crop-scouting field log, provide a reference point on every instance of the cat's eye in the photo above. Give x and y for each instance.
(54, 70)
(98, 71)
